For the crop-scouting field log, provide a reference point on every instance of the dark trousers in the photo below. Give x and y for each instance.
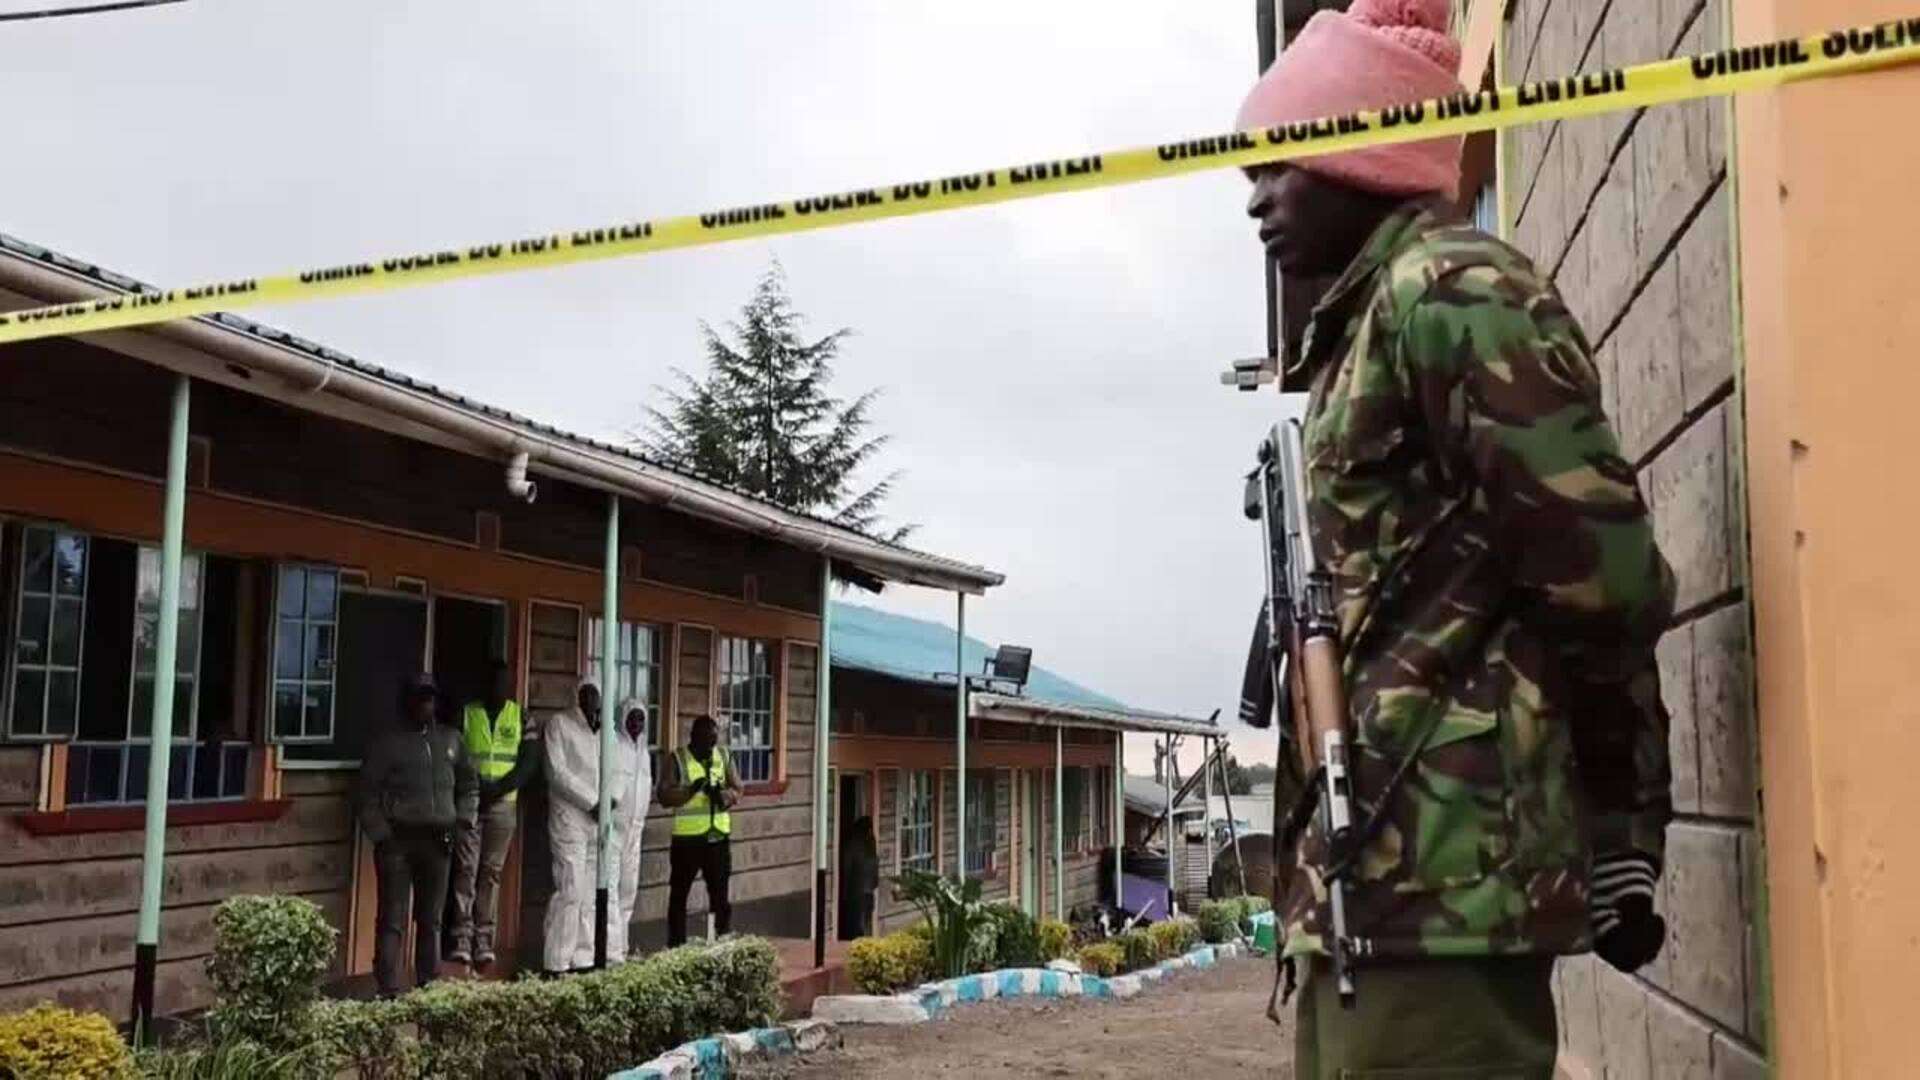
(691, 857)
(1465, 1018)
(412, 869)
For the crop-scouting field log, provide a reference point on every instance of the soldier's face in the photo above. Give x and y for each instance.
(1311, 225)
(1282, 204)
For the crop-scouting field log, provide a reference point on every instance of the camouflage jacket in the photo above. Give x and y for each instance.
(1499, 597)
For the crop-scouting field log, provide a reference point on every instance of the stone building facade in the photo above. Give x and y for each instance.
(1632, 212)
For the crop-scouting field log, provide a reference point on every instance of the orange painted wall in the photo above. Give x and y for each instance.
(1826, 176)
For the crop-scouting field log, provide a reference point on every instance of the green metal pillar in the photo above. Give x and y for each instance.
(822, 762)
(1059, 824)
(173, 515)
(1119, 811)
(960, 725)
(609, 643)
(1166, 775)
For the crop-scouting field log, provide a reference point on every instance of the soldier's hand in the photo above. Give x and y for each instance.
(1626, 931)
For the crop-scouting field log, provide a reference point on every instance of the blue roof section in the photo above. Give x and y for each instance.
(917, 649)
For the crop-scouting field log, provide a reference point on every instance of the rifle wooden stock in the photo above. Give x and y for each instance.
(1297, 696)
(1325, 692)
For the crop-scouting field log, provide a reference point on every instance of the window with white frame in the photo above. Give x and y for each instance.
(981, 832)
(48, 622)
(306, 633)
(745, 695)
(81, 643)
(917, 805)
(639, 672)
(108, 762)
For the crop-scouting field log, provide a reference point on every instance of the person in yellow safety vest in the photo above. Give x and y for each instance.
(633, 787)
(701, 785)
(495, 741)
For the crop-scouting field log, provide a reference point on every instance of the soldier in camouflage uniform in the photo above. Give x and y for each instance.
(1499, 593)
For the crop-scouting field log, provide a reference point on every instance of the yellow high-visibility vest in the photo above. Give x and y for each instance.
(494, 745)
(701, 816)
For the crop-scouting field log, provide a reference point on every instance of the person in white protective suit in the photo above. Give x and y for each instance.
(633, 786)
(573, 787)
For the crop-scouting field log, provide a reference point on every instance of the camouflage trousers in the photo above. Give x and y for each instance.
(1439, 1019)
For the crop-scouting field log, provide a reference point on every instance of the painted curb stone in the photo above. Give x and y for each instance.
(930, 1000)
(722, 1055)
(869, 1009)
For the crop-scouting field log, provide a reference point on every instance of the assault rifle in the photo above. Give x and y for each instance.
(1303, 645)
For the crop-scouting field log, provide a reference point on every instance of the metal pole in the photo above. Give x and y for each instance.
(1233, 830)
(1206, 794)
(1119, 809)
(609, 642)
(173, 516)
(822, 721)
(960, 725)
(1059, 824)
(1166, 775)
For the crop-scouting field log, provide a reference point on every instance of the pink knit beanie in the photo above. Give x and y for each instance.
(1379, 53)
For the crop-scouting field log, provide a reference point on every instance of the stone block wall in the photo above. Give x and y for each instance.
(1632, 215)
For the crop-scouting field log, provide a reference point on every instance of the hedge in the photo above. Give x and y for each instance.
(886, 965)
(48, 1042)
(1056, 939)
(1226, 920)
(589, 1024)
(1138, 949)
(1016, 938)
(1105, 959)
(1174, 936)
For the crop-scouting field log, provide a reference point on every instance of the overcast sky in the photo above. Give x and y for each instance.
(1050, 366)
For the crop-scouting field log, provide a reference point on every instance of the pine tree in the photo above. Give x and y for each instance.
(763, 422)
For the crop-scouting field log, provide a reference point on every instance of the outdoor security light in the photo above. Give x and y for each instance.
(1010, 663)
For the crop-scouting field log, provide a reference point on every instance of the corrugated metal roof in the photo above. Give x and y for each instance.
(113, 280)
(910, 648)
(1146, 795)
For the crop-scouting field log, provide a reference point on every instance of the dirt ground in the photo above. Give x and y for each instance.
(1195, 1025)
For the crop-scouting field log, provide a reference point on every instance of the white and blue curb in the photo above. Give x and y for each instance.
(919, 1005)
(720, 1056)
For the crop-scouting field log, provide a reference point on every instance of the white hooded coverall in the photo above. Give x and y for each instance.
(573, 788)
(633, 786)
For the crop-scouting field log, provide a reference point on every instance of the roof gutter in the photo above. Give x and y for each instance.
(550, 454)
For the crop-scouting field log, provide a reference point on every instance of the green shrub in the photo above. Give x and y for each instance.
(1056, 939)
(887, 965)
(1219, 920)
(1016, 937)
(582, 1025)
(269, 955)
(1174, 936)
(1138, 949)
(370, 1040)
(955, 912)
(48, 1042)
(1226, 920)
(1104, 959)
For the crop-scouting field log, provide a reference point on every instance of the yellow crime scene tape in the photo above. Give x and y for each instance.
(1753, 67)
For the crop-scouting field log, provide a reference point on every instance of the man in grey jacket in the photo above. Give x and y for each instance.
(417, 785)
